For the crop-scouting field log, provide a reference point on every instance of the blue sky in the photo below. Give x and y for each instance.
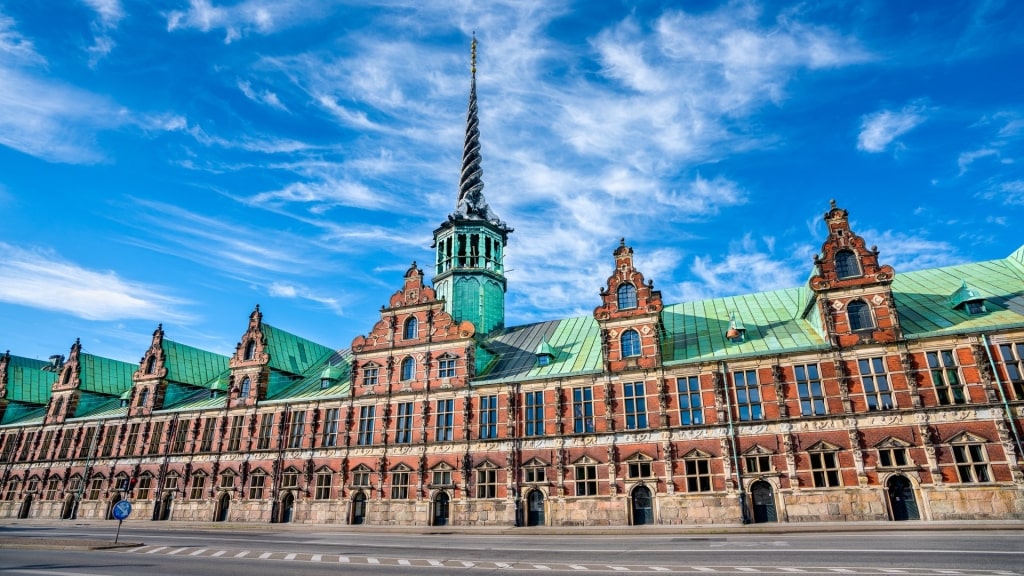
(180, 161)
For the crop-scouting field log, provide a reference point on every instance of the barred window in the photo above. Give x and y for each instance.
(825, 469)
(366, 419)
(690, 412)
(487, 483)
(488, 417)
(971, 463)
(256, 484)
(534, 413)
(636, 405)
(698, 474)
(946, 377)
(399, 485)
(445, 413)
(748, 395)
(403, 425)
(583, 410)
(586, 480)
(808, 385)
(877, 392)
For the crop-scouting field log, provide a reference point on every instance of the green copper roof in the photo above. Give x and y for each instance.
(922, 298)
(292, 354)
(105, 376)
(28, 382)
(695, 331)
(574, 343)
(1017, 257)
(190, 365)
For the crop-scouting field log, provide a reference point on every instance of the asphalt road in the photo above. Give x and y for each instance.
(186, 550)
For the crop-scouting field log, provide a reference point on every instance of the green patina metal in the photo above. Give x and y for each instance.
(104, 375)
(292, 354)
(29, 381)
(190, 365)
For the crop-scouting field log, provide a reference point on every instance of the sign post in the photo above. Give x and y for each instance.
(121, 511)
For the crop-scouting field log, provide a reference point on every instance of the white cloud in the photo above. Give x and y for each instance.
(264, 96)
(879, 129)
(906, 252)
(965, 159)
(110, 14)
(745, 269)
(41, 279)
(244, 18)
(282, 290)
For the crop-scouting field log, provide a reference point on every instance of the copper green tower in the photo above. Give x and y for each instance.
(470, 274)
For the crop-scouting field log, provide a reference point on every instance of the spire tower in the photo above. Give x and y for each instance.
(470, 245)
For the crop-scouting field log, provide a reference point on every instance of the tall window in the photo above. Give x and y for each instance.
(65, 445)
(370, 376)
(144, 397)
(636, 405)
(297, 430)
(808, 385)
(698, 474)
(151, 365)
(630, 343)
(403, 425)
(156, 438)
(133, 438)
(626, 296)
(198, 483)
(410, 330)
(877, 392)
(534, 413)
(266, 431)
(689, 400)
(446, 368)
(971, 463)
(443, 427)
(408, 369)
(181, 436)
(235, 435)
(144, 488)
(85, 449)
(859, 314)
(246, 385)
(586, 480)
(250, 350)
(209, 427)
(256, 484)
(1013, 362)
(748, 396)
(323, 485)
(487, 483)
(846, 264)
(582, 410)
(825, 469)
(330, 436)
(488, 417)
(946, 377)
(399, 484)
(366, 417)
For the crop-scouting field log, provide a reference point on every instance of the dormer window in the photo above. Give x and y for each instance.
(250, 350)
(737, 332)
(246, 386)
(544, 353)
(967, 299)
(846, 264)
(859, 314)
(627, 297)
(410, 330)
(630, 343)
(144, 397)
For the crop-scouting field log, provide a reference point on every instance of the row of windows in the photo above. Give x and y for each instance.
(407, 370)
(970, 459)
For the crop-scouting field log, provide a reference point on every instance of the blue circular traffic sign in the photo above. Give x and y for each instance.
(122, 509)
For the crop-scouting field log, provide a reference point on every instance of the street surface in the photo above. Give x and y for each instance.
(313, 550)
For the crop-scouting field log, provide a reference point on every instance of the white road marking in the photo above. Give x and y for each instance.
(343, 559)
(290, 556)
(155, 550)
(578, 567)
(266, 555)
(173, 552)
(198, 552)
(219, 553)
(242, 554)
(316, 558)
(541, 567)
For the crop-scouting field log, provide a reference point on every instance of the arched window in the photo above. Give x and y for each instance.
(408, 369)
(846, 264)
(627, 296)
(859, 314)
(246, 385)
(144, 397)
(151, 365)
(630, 343)
(250, 350)
(410, 331)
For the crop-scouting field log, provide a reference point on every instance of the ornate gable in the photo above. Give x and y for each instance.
(251, 360)
(148, 379)
(626, 295)
(629, 316)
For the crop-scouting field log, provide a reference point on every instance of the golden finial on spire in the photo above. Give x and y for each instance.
(473, 52)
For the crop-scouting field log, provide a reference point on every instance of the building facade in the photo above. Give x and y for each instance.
(862, 395)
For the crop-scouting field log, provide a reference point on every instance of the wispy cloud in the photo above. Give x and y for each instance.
(879, 129)
(286, 290)
(41, 279)
(244, 18)
(750, 266)
(264, 96)
(908, 251)
(109, 14)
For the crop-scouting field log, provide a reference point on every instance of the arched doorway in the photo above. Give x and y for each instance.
(26, 505)
(68, 511)
(441, 509)
(535, 508)
(359, 508)
(110, 508)
(643, 511)
(287, 508)
(223, 504)
(763, 502)
(901, 499)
